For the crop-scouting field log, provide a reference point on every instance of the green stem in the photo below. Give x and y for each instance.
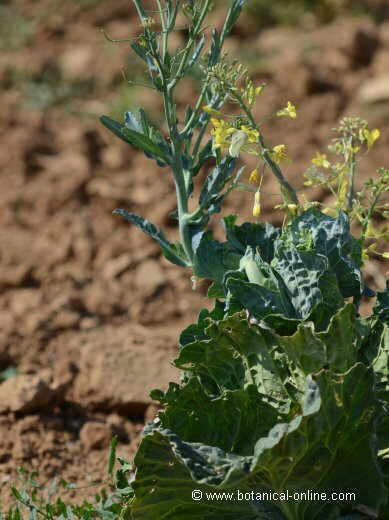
(352, 170)
(288, 191)
(178, 172)
(196, 31)
(164, 31)
(197, 109)
(140, 9)
(198, 141)
(369, 215)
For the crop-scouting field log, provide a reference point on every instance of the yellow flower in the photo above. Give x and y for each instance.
(221, 132)
(371, 136)
(278, 154)
(331, 212)
(251, 133)
(371, 232)
(234, 139)
(293, 208)
(288, 111)
(211, 111)
(254, 179)
(250, 92)
(257, 204)
(321, 160)
(385, 255)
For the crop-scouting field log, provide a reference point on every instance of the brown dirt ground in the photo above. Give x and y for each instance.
(89, 311)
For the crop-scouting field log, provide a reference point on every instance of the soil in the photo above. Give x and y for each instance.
(90, 312)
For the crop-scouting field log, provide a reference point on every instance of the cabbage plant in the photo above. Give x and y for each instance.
(282, 411)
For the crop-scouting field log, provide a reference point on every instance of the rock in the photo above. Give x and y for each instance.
(119, 367)
(24, 300)
(31, 392)
(364, 46)
(65, 319)
(24, 393)
(76, 61)
(149, 277)
(380, 65)
(116, 266)
(384, 33)
(374, 90)
(88, 323)
(14, 275)
(95, 435)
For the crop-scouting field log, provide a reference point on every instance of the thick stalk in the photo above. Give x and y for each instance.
(178, 172)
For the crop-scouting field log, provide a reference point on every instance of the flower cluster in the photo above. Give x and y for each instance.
(234, 139)
(278, 154)
(250, 92)
(288, 111)
(225, 76)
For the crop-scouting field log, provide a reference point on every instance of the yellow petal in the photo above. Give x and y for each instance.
(254, 179)
(211, 111)
(371, 136)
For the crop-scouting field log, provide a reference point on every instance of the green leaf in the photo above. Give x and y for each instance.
(212, 259)
(229, 355)
(231, 18)
(215, 48)
(333, 404)
(331, 301)
(298, 286)
(170, 251)
(205, 154)
(135, 139)
(173, 469)
(306, 453)
(141, 142)
(196, 331)
(112, 455)
(140, 51)
(115, 127)
(381, 307)
(331, 238)
(210, 196)
(300, 272)
(260, 237)
(336, 348)
(259, 301)
(196, 53)
(233, 421)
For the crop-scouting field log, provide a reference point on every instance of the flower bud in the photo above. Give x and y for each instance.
(257, 204)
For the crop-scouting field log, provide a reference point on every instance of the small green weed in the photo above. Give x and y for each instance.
(15, 29)
(47, 89)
